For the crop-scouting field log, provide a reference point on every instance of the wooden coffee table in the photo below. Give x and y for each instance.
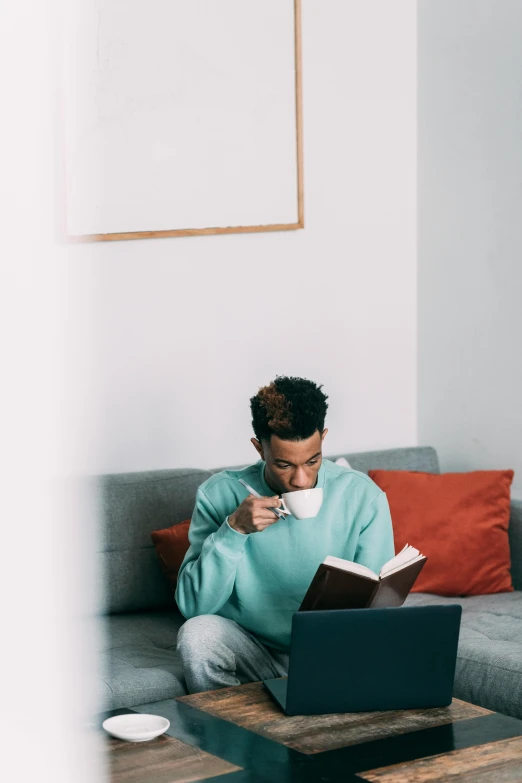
(240, 735)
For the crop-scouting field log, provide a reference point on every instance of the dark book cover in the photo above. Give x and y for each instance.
(392, 590)
(335, 588)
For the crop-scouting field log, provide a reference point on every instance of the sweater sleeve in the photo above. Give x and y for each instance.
(207, 574)
(375, 545)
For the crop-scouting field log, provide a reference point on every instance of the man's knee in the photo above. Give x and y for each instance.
(204, 632)
(206, 647)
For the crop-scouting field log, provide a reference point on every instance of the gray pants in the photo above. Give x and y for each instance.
(217, 653)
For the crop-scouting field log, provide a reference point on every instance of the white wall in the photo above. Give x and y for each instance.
(470, 233)
(187, 330)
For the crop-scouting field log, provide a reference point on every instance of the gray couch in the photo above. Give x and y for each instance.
(138, 661)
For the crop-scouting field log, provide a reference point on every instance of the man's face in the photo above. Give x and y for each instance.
(291, 464)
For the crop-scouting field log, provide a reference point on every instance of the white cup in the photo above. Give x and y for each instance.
(304, 503)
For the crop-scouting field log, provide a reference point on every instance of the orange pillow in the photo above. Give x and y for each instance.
(171, 546)
(459, 521)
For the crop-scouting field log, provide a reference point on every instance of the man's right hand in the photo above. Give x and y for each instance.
(254, 514)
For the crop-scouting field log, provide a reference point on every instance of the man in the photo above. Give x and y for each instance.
(247, 571)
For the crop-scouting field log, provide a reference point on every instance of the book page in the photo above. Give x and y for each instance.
(405, 556)
(400, 567)
(347, 565)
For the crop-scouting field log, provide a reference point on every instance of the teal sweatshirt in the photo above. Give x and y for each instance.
(260, 579)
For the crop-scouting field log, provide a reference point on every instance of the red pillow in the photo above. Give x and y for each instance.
(459, 521)
(171, 546)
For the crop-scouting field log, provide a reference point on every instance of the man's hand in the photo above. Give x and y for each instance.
(254, 514)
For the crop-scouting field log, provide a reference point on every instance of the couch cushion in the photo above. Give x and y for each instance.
(489, 662)
(139, 663)
(131, 506)
(138, 660)
(453, 517)
(172, 545)
(422, 458)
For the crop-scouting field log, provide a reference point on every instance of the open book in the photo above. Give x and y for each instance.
(341, 584)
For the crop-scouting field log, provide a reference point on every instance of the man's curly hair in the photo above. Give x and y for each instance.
(291, 408)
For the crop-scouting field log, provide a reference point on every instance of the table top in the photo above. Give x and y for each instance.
(241, 736)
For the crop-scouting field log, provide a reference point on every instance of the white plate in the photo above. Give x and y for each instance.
(136, 727)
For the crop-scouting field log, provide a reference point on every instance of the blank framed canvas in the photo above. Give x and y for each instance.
(182, 117)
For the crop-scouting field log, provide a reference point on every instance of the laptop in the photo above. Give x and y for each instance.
(360, 660)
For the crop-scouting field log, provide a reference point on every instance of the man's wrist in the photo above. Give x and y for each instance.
(232, 522)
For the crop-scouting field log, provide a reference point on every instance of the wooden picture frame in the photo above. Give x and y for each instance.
(115, 235)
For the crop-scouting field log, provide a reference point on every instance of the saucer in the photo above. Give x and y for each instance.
(136, 727)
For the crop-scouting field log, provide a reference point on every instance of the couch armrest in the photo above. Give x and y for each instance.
(515, 543)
